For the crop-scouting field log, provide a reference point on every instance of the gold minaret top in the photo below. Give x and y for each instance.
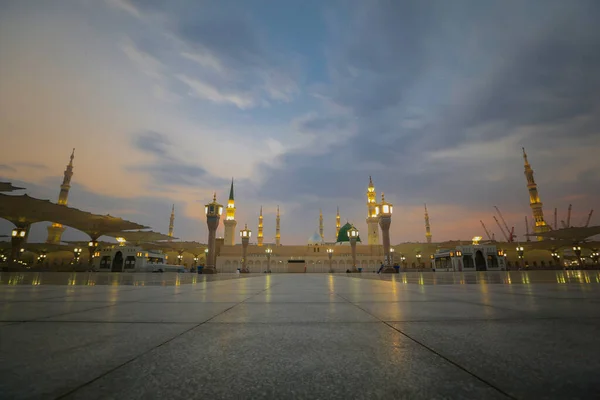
(260, 228)
(230, 204)
(427, 227)
(55, 231)
(337, 223)
(534, 199)
(172, 222)
(277, 230)
(321, 225)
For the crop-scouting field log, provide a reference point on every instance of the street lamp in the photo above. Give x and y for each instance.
(195, 260)
(269, 251)
(384, 212)
(392, 251)
(353, 236)
(213, 211)
(520, 252)
(41, 258)
(92, 246)
(419, 260)
(556, 257)
(77, 251)
(330, 256)
(245, 235)
(17, 240)
(577, 251)
(403, 260)
(179, 258)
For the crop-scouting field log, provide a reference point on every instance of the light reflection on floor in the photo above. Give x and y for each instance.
(500, 277)
(107, 278)
(176, 279)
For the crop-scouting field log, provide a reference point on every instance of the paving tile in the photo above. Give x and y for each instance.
(27, 311)
(528, 359)
(267, 297)
(432, 311)
(199, 297)
(293, 312)
(43, 360)
(319, 361)
(150, 312)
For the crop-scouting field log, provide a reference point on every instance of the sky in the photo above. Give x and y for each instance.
(300, 102)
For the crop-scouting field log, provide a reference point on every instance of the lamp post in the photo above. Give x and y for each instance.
(269, 251)
(419, 260)
(17, 239)
(330, 256)
(556, 257)
(595, 255)
(92, 246)
(245, 235)
(77, 252)
(577, 251)
(213, 211)
(41, 258)
(179, 258)
(353, 236)
(520, 252)
(403, 260)
(384, 212)
(392, 251)
(195, 260)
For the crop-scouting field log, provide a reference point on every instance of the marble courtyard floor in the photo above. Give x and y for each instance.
(525, 335)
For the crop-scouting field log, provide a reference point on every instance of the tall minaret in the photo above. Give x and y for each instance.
(321, 225)
(534, 200)
(427, 227)
(277, 231)
(260, 228)
(372, 219)
(230, 221)
(337, 223)
(55, 231)
(172, 223)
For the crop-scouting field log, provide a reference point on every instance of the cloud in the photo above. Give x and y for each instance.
(206, 91)
(148, 64)
(4, 167)
(152, 142)
(127, 6)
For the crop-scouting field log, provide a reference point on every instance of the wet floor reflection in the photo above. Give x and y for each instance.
(107, 278)
(500, 277)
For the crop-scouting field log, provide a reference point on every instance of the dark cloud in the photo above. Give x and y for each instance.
(419, 77)
(152, 142)
(4, 167)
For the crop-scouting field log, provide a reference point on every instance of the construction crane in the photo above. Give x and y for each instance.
(588, 218)
(510, 232)
(556, 218)
(501, 229)
(527, 229)
(486, 231)
(569, 216)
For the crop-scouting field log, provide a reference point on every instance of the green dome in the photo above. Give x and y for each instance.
(343, 233)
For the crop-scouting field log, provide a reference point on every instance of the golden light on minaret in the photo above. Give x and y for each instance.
(321, 225)
(55, 231)
(337, 223)
(277, 229)
(372, 218)
(230, 222)
(259, 237)
(534, 200)
(172, 222)
(427, 227)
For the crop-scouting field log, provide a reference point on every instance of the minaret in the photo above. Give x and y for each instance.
(172, 223)
(337, 224)
(534, 200)
(230, 221)
(427, 227)
(372, 219)
(260, 228)
(277, 231)
(55, 231)
(321, 225)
